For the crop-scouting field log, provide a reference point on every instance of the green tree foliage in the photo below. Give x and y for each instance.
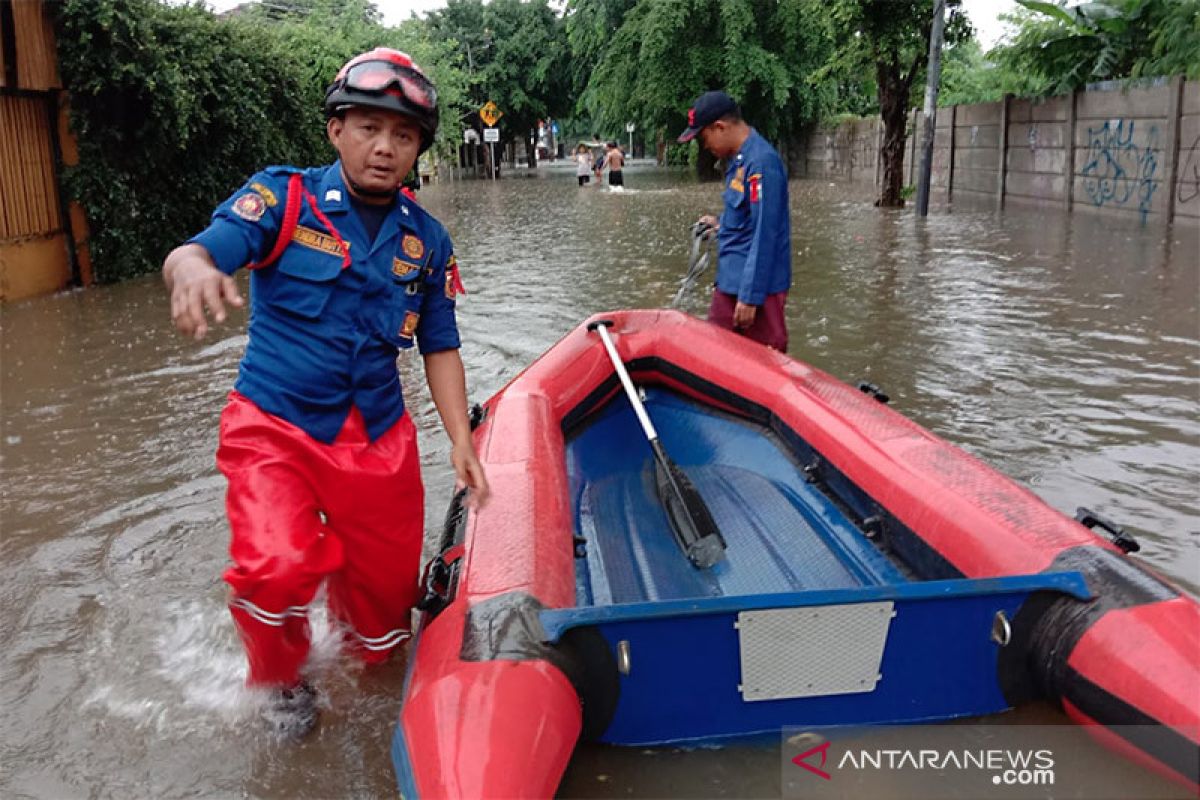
(174, 108)
(891, 39)
(647, 61)
(1056, 49)
(967, 76)
(516, 56)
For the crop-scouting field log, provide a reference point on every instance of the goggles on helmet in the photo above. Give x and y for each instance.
(382, 77)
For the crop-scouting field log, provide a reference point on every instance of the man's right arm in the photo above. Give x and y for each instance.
(196, 285)
(198, 274)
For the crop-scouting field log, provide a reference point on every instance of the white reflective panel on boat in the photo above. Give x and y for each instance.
(812, 651)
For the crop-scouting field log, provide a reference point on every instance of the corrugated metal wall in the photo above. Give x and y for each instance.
(28, 192)
(37, 67)
(37, 254)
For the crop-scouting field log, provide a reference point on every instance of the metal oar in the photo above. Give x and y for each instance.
(691, 521)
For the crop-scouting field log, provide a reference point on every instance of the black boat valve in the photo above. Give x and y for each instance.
(872, 526)
(1117, 534)
(477, 415)
(872, 390)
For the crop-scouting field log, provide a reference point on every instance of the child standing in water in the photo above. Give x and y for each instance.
(583, 164)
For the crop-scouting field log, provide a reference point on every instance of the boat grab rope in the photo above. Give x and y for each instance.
(701, 253)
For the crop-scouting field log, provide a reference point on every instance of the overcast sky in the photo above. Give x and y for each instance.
(982, 13)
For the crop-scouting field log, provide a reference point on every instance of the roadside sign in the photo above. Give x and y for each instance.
(470, 136)
(629, 127)
(490, 113)
(491, 134)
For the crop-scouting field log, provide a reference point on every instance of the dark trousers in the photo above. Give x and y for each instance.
(769, 326)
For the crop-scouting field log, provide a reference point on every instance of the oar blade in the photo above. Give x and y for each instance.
(691, 521)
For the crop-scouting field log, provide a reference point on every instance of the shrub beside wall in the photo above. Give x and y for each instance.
(173, 109)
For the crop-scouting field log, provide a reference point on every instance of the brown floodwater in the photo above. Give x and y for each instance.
(1062, 350)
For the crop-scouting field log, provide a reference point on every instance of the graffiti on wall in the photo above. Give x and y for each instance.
(1117, 170)
(1189, 174)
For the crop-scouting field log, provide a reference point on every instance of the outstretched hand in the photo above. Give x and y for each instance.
(197, 287)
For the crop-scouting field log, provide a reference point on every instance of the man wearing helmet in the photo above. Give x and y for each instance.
(320, 455)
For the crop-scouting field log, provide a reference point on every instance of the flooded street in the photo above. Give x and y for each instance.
(1061, 350)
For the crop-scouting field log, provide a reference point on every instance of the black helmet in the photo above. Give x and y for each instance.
(388, 79)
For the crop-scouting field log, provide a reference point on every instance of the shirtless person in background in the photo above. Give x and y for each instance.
(614, 160)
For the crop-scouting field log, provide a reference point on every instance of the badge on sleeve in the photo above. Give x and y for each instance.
(250, 206)
(454, 284)
(755, 188)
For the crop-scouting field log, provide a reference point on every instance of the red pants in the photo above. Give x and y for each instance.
(769, 326)
(301, 512)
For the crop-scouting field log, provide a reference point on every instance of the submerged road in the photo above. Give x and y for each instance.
(1061, 350)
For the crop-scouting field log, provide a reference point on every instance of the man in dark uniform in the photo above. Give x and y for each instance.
(754, 252)
(320, 455)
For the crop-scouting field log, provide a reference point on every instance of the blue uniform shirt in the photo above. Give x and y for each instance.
(324, 338)
(754, 252)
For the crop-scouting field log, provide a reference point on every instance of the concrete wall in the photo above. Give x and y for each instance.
(1108, 150)
(1187, 180)
(845, 151)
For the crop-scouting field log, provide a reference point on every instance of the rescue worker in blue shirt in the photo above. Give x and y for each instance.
(754, 251)
(320, 455)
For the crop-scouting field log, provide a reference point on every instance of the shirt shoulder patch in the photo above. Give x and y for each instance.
(250, 206)
(266, 193)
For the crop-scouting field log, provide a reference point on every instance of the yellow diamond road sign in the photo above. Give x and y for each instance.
(490, 113)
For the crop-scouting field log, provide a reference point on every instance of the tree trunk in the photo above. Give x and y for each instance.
(706, 166)
(531, 151)
(893, 105)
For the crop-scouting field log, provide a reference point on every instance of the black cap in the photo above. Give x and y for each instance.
(708, 108)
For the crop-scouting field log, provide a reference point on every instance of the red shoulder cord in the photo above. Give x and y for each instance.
(337, 237)
(291, 216)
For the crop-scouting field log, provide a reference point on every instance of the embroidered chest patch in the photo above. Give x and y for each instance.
(401, 268)
(409, 326)
(250, 206)
(316, 240)
(735, 182)
(413, 247)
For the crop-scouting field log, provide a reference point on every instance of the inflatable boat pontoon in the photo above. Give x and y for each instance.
(866, 572)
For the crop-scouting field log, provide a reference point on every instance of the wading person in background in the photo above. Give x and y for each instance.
(320, 455)
(583, 164)
(754, 251)
(614, 159)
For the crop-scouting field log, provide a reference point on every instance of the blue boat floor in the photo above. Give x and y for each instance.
(783, 534)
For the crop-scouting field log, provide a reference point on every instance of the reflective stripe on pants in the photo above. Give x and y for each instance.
(350, 513)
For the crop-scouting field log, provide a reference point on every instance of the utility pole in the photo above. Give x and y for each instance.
(931, 93)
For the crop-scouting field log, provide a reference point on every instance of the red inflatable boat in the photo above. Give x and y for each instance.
(573, 604)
